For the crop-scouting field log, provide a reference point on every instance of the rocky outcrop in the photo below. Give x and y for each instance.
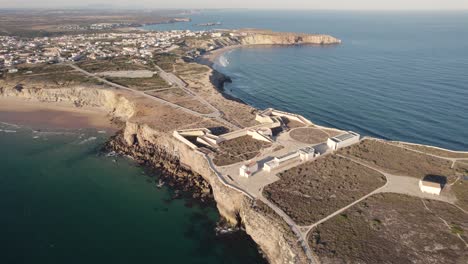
(188, 168)
(273, 38)
(267, 229)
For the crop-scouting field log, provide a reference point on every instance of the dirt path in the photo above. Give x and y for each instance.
(215, 115)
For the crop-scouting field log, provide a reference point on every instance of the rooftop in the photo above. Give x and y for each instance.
(344, 137)
(431, 184)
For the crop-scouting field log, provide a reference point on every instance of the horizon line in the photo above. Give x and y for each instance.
(143, 8)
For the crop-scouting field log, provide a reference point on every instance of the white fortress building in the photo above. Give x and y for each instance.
(302, 155)
(343, 140)
(247, 170)
(430, 187)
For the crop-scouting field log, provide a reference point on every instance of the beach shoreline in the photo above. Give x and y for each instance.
(53, 115)
(209, 58)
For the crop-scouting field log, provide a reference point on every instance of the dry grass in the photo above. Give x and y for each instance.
(172, 95)
(400, 161)
(316, 189)
(183, 69)
(48, 76)
(309, 135)
(460, 189)
(238, 149)
(393, 228)
(140, 84)
(116, 64)
(195, 105)
(435, 151)
(165, 60)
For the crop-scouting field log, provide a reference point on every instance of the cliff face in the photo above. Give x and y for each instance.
(261, 38)
(116, 104)
(161, 150)
(269, 231)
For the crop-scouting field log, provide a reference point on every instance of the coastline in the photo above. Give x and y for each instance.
(48, 115)
(209, 58)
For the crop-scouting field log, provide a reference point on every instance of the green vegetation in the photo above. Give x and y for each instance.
(141, 84)
(165, 61)
(456, 229)
(115, 64)
(45, 74)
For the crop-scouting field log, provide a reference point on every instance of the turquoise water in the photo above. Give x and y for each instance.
(61, 202)
(397, 75)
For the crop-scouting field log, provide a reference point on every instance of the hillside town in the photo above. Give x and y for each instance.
(15, 51)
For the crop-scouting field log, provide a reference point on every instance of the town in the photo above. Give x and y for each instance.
(138, 45)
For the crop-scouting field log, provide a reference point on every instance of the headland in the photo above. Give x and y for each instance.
(305, 193)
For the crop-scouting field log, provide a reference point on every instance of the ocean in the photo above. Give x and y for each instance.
(397, 75)
(63, 202)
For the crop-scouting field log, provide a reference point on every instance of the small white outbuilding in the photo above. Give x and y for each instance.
(247, 170)
(343, 140)
(430, 187)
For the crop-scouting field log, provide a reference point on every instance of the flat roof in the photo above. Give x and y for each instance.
(431, 184)
(308, 149)
(291, 154)
(344, 137)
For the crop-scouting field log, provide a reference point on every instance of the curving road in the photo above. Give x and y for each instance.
(216, 114)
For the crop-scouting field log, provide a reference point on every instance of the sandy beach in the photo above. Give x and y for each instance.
(209, 58)
(41, 115)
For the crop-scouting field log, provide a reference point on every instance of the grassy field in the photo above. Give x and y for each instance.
(183, 69)
(41, 22)
(116, 64)
(165, 61)
(172, 95)
(141, 84)
(238, 149)
(49, 75)
(314, 190)
(400, 161)
(393, 228)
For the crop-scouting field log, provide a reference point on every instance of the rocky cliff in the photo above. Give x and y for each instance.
(161, 150)
(117, 105)
(274, 38)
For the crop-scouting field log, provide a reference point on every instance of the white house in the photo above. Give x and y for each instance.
(343, 140)
(430, 187)
(247, 170)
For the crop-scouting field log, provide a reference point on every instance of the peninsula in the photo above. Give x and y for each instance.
(305, 193)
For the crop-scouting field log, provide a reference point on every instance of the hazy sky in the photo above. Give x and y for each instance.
(290, 4)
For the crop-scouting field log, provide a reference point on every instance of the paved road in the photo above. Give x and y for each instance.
(215, 115)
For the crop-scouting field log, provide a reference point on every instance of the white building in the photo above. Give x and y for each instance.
(343, 140)
(270, 165)
(247, 170)
(307, 153)
(430, 187)
(281, 161)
